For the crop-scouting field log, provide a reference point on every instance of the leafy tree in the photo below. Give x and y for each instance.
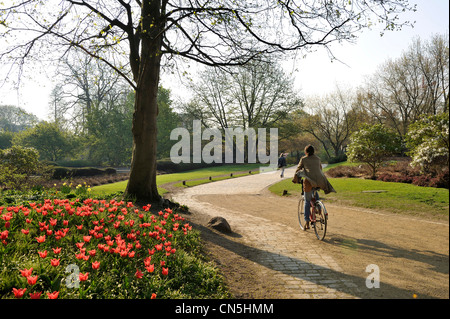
(108, 139)
(428, 142)
(371, 145)
(136, 37)
(15, 119)
(48, 139)
(17, 164)
(167, 121)
(6, 139)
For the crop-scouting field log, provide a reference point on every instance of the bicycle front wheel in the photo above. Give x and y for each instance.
(320, 226)
(301, 213)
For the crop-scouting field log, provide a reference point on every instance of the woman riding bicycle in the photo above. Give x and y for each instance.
(310, 168)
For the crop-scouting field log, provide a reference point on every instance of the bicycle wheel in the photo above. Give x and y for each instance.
(320, 226)
(300, 213)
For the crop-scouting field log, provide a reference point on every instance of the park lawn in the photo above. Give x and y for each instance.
(396, 197)
(199, 175)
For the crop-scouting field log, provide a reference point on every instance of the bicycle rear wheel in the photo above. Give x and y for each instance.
(320, 226)
(301, 213)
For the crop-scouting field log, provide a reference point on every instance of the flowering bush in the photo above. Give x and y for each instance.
(428, 142)
(100, 249)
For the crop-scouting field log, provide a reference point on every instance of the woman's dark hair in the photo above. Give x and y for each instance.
(309, 150)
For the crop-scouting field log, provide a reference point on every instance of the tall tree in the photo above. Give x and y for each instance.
(15, 119)
(133, 36)
(416, 83)
(333, 120)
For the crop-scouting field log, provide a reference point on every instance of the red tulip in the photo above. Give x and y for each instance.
(54, 262)
(26, 272)
(150, 268)
(35, 295)
(56, 250)
(153, 296)
(87, 238)
(83, 277)
(42, 254)
(138, 274)
(165, 271)
(18, 293)
(25, 231)
(40, 239)
(4, 234)
(95, 265)
(53, 295)
(32, 279)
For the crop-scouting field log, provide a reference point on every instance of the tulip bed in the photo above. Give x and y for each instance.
(94, 248)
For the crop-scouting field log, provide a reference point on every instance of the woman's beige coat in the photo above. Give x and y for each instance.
(310, 168)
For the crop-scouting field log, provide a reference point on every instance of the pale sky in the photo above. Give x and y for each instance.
(316, 75)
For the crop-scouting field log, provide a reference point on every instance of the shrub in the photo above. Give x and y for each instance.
(66, 172)
(427, 140)
(396, 178)
(345, 171)
(17, 166)
(168, 166)
(337, 159)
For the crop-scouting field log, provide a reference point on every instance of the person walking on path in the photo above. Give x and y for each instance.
(310, 169)
(282, 163)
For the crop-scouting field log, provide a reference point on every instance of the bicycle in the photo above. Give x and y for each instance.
(318, 216)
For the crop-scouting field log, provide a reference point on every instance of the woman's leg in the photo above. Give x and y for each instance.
(307, 207)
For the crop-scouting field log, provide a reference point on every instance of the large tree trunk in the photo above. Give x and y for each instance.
(142, 182)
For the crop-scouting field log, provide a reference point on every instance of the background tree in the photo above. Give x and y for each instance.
(256, 95)
(15, 119)
(416, 83)
(263, 93)
(372, 145)
(333, 119)
(108, 140)
(132, 37)
(168, 120)
(48, 139)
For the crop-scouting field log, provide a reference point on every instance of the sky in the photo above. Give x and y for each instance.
(314, 75)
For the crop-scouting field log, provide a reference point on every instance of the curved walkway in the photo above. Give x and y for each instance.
(286, 262)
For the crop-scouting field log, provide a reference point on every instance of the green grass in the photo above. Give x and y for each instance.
(193, 177)
(397, 198)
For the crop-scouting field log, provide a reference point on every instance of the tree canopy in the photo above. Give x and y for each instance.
(135, 38)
